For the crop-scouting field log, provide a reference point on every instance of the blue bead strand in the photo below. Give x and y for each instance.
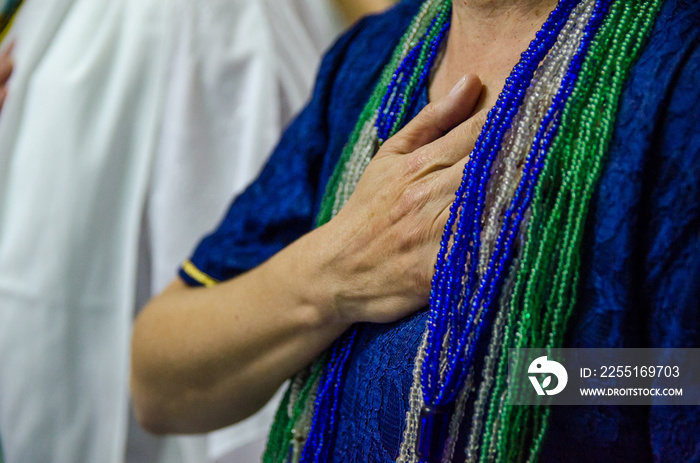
(451, 279)
(401, 95)
(514, 216)
(447, 299)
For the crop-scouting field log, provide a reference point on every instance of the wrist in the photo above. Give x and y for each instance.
(311, 276)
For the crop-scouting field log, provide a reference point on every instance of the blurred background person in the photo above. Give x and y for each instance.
(115, 115)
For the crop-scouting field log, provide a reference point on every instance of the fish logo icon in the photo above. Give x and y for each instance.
(541, 365)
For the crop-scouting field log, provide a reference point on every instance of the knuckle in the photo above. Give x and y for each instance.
(390, 146)
(398, 144)
(431, 110)
(417, 194)
(414, 198)
(416, 161)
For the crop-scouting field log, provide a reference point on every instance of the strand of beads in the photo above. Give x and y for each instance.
(275, 442)
(446, 321)
(558, 211)
(552, 180)
(448, 284)
(537, 106)
(409, 439)
(490, 130)
(353, 149)
(509, 153)
(496, 398)
(369, 140)
(517, 140)
(538, 100)
(445, 369)
(608, 93)
(361, 156)
(537, 156)
(288, 427)
(321, 433)
(409, 76)
(503, 249)
(546, 82)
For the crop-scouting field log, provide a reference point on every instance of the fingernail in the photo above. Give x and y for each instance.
(458, 86)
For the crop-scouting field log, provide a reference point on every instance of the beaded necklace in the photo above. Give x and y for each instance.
(510, 251)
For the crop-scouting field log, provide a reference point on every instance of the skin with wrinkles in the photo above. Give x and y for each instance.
(203, 358)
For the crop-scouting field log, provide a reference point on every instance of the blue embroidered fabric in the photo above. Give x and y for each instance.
(640, 280)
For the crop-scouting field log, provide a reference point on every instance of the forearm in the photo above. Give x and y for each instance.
(203, 358)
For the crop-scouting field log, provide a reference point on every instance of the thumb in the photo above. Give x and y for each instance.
(438, 118)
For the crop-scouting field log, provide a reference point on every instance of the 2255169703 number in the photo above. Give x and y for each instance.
(658, 371)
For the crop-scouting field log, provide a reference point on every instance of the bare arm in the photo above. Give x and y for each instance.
(203, 358)
(6, 65)
(193, 348)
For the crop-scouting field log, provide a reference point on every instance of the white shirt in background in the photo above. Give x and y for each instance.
(128, 128)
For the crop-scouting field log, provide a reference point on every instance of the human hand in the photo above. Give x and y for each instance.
(386, 238)
(6, 65)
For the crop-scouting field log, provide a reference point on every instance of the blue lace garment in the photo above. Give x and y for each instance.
(641, 270)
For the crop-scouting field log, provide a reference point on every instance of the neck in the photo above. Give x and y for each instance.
(488, 22)
(486, 38)
(488, 10)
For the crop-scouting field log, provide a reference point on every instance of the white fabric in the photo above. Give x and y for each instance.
(128, 127)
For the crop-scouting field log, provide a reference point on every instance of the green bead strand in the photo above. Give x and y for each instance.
(549, 269)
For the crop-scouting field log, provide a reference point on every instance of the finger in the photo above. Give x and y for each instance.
(451, 178)
(460, 141)
(448, 150)
(438, 118)
(3, 95)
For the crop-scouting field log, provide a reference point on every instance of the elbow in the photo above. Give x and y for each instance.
(161, 409)
(178, 385)
(164, 386)
(169, 399)
(162, 412)
(148, 402)
(150, 416)
(151, 393)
